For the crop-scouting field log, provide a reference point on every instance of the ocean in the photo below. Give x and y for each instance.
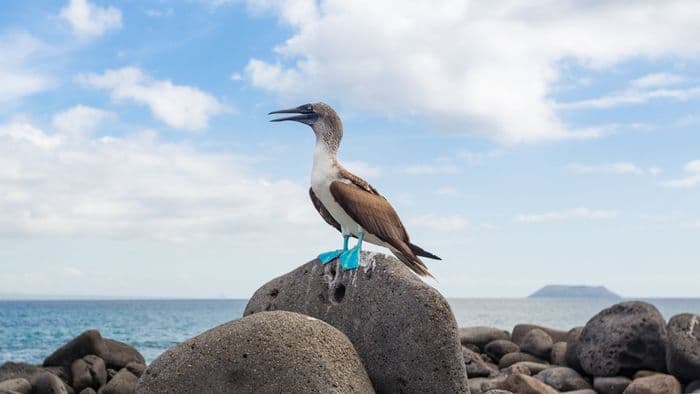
(31, 330)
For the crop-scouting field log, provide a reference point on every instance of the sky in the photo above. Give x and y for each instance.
(526, 143)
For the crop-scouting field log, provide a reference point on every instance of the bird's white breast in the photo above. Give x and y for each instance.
(323, 173)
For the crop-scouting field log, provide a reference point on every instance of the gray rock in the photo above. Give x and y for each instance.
(523, 384)
(558, 354)
(622, 339)
(476, 384)
(475, 366)
(266, 352)
(683, 350)
(48, 383)
(481, 335)
(571, 356)
(499, 348)
(693, 387)
(655, 384)
(538, 343)
(403, 329)
(563, 379)
(119, 354)
(520, 367)
(12, 370)
(512, 358)
(88, 390)
(520, 330)
(498, 391)
(136, 368)
(89, 342)
(124, 382)
(611, 385)
(533, 368)
(18, 385)
(582, 391)
(89, 371)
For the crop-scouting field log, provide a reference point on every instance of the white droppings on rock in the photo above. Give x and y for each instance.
(691, 330)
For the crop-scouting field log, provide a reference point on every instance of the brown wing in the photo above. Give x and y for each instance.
(322, 210)
(371, 211)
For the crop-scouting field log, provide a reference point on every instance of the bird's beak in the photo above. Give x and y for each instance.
(306, 115)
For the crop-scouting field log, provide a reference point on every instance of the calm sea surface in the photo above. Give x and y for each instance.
(30, 330)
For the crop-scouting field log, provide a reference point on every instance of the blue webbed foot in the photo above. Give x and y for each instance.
(350, 259)
(327, 257)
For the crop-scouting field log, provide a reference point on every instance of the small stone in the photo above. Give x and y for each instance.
(538, 343)
(48, 383)
(643, 373)
(622, 339)
(611, 385)
(88, 390)
(136, 368)
(523, 384)
(582, 391)
(572, 338)
(655, 384)
(481, 335)
(558, 354)
(18, 385)
(683, 350)
(499, 348)
(520, 367)
(512, 358)
(122, 383)
(475, 366)
(563, 379)
(533, 367)
(520, 330)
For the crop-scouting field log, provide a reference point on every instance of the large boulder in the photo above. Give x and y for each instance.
(683, 350)
(114, 353)
(481, 335)
(89, 371)
(654, 384)
(538, 343)
(520, 330)
(403, 329)
(269, 352)
(563, 379)
(622, 339)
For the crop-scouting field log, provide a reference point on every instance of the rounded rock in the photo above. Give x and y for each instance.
(571, 357)
(48, 383)
(403, 329)
(538, 343)
(622, 339)
(563, 379)
(558, 354)
(683, 350)
(123, 382)
(520, 330)
(16, 385)
(655, 384)
(499, 348)
(475, 365)
(523, 384)
(611, 385)
(512, 358)
(266, 352)
(481, 335)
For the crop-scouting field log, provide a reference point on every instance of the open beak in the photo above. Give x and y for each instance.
(305, 115)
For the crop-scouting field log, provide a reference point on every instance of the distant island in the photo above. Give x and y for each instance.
(565, 291)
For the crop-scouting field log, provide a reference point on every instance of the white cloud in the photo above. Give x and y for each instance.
(691, 180)
(236, 77)
(478, 67)
(440, 223)
(79, 121)
(136, 186)
(89, 20)
(179, 106)
(576, 213)
(619, 168)
(657, 80)
(633, 96)
(17, 76)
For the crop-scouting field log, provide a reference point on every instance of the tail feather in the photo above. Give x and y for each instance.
(422, 252)
(405, 253)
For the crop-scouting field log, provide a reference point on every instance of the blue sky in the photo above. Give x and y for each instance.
(526, 145)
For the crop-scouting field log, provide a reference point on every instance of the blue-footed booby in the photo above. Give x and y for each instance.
(346, 201)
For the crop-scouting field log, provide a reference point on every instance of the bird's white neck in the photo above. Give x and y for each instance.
(324, 167)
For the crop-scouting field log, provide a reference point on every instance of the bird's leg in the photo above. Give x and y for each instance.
(327, 257)
(350, 259)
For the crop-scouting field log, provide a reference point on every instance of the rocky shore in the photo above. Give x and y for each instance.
(319, 329)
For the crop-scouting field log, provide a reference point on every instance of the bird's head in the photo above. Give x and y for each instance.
(324, 121)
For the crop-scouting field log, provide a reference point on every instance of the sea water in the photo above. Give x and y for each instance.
(31, 330)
